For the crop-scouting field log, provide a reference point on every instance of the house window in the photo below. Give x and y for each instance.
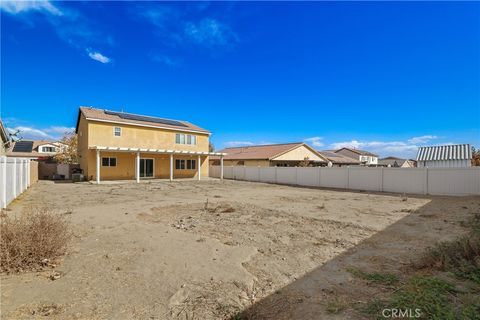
(179, 164)
(117, 131)
(48, 149)
(181, 138)
(109, 162)
(191, 164)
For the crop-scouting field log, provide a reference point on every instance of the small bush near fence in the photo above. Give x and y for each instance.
(32, 240)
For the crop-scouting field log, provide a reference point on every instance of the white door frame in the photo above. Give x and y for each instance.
(153, 159)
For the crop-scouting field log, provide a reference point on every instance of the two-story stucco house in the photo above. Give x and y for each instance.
(117, 145)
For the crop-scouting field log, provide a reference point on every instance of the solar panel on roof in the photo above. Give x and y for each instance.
(129, 116)
(23, 146)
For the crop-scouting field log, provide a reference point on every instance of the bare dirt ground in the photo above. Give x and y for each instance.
(210, 249)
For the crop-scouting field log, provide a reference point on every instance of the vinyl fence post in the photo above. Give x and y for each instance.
(14, 180)
(348, 178)
(28, 172)
(319, 176)
(4, 182)
(381, 181)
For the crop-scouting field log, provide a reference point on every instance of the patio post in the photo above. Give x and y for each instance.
(137, 167)
(199, 167)
(98, 166)
(221, 167)
(171, 167)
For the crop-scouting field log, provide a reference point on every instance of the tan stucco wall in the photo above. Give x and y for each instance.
(33, 172)
(101, 134)
(298, 154)
(125, 168)
(93, 133)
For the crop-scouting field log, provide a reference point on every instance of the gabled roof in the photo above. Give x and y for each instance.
(262, 152)
(447, 152)
(94, 114)
(5, 136)
(359, 152)
(337, 158)
(30, 148)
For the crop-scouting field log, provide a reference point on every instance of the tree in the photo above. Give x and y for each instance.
(211, 147)
(475, 157)
(68, 151)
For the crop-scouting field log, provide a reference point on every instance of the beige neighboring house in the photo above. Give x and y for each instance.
(395, 162)
(366, 158)
(338, 160)
(4, 138)
(35, 149)
(272, 155)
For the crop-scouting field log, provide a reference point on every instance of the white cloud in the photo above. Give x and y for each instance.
(233, 144)
(315, 141)
(17, 7)
(166, 60)
(209, 32)
(48, 133)
(422, 139)
(97, 56)
(406, 149)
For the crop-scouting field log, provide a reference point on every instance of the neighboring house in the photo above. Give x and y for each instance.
(366, 158)
(395, 162)
(448, 156)
(117, 145)
(338, 160)
(35, 149)
(4, 139)
(272, 155)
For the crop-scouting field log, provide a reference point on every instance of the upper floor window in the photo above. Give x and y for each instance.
(117, 131)
(181, 138)
(48, 149)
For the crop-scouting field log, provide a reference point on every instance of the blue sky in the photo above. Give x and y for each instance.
(386, 77)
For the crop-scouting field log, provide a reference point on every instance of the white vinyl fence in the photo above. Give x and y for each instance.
(14, 178)
(433, 181)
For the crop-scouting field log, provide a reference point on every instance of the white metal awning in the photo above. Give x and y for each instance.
(160, 151)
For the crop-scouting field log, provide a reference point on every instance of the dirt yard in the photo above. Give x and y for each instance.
(210, 249)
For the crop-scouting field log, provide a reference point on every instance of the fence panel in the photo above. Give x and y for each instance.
(453, 181)
(333, 177)
(286, 175)
(404, 180)
(365, 178)
(434, 181)
(14, 178)
(308, 177)
(252, 173)
(268, 174)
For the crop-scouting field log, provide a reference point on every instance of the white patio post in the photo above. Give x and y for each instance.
(171, 167)
(14, 178)
(199, 167)
(4, 183)
(137, 167)
(98, 166)
(221, 167)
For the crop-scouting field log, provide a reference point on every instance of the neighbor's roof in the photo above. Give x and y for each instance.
(360, 152)
(138, 120)
(337, 158)
(447, 152)
(261, 152)
(391, 161)
(32, 149)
